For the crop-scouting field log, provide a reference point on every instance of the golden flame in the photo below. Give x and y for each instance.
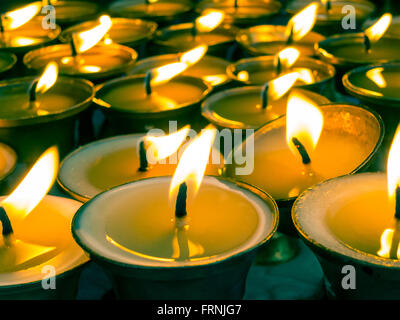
(165, 73)
(375, 75)
(89, 69)
(288, 57)
(378, 29)
(386, 243)
(216, 79)
(305, 75)
(17, 18)
(304, 121)
(209, 20)
(243, 75)
(34, 186)
(193, 56)
(393, 168)
(162, 147)
(193, 162)
(48, 78)
(302, 23)
(87, 39)
(279, 86)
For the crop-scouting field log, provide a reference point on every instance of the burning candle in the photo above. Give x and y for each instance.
(252, 107)
(377, 86)
(207, 29)
(111, 162)
(129, 32)
(142, 102)
(71, 12)
(82, 58)
(40, 112)
(160, 11)
(35, 234)
(242, 12)
(314, 75)
(355, 49)
(177, 234)
(209, 68)
(270, 39)
(20, 31)
(354, 219)
(330, 13)
(308, 145)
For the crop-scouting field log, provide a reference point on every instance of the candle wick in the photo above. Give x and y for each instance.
(236, 4)
(193, 31)
(278, 66)
(8, 231)
(264, 97)
(147, 83)
(328, 6)
(397, 197)
(367, 43)
(144, 164)
(74, 52)
(180, 207)
(302, 151)
(290, 37)
(2, 25)
(32, 91)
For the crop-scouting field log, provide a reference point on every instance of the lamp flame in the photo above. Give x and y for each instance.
(305, 75)
(34, 186)
(378, 29)
(87, 39)
(194, 55)
(165, 73)
(279, 86)
(302, 23)
(162, 147)
(304, 121)
(243, 75)
(375, 75)
(17, 18)
(193, 162)
(386, 244)
(393, 168)
(209, 20)
(48, 78)
(288, 57)
(216, 79)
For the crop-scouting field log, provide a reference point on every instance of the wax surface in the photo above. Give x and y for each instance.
(111, 162)
(184, 39)
(8, 159)
(92, 61)
(17, 106)
(135, 229)
(151, 231)
(273, 47)
(360, 221)
(340, 150)
(386, 49)
(44, 236)
(391, 77)
(243, 108)
(168, 96)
